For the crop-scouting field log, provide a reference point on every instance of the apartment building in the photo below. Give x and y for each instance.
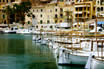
(100, 8)
(84, 10)
(49, 15)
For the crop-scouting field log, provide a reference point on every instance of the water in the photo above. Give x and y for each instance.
(20, 52)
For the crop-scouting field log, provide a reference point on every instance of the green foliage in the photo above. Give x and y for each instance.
(19, 10)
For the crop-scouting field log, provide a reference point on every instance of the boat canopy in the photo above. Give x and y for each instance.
(100, 22)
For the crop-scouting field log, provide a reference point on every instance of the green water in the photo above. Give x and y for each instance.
(20, 52)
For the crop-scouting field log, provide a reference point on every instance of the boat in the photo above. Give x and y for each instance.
(24, 31)
(97, 61)
(36, 39)
(44, 41)
(75, 53)
(12, 30)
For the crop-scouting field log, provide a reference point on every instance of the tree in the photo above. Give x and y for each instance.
(24, 9)
(8, 10)
(19, 10)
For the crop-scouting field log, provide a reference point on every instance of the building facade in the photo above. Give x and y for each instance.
(49, 15)
(84, 10)
(99, 8)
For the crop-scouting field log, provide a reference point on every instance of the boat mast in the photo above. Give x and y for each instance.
(72, 31)
(96, 37)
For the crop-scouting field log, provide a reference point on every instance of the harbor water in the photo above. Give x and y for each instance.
(20, 52)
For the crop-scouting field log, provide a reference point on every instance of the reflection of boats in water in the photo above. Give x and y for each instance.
(39, 39)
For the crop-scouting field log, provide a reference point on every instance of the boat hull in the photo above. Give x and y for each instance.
(97, 64)
(77, 59)
(71, 59)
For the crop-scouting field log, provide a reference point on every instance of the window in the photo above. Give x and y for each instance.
(60, 20)
(56, 10)
(36, 26)
(3, 16)
(76, 15)
(61, 15)
(55, 4)
(98, 2)
(41, 10)
(41, 21)
(33, 16)
(48, 21)
(41, 15)
(28, 22)
(98, 9)
(101, 8)
(50, 10)
(88, 8)
(55, 21)
(51, 27)
(12, 0)
(80, 9)
(33, 10)
(41, 26)
(61, 9)
(76, 9)
(56, 16)
(85, 8)
(88, 15)
(37, 10)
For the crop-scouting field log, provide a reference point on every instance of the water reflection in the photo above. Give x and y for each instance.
(20, 52)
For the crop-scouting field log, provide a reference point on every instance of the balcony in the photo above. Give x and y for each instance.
(82, 6)
(80, 12)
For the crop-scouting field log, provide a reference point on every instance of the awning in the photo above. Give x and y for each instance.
(100, 22)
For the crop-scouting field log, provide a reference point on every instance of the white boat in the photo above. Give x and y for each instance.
(38, 32)
(97, 64)
(77, 55)
(24, 31)
(10, 30)
(72, 57)
(97, 61)
(44, 42)
(36, 39)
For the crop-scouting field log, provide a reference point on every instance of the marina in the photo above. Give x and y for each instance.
(26, 54)
(51, 34)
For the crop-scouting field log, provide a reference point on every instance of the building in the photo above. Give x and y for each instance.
(45, 16)
(84, 10)
(99, 8)
(3, 3)
(49, 15)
